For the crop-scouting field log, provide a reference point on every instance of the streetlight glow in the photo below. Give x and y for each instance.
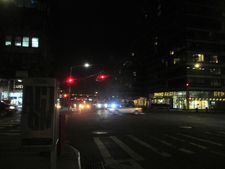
(87, 65)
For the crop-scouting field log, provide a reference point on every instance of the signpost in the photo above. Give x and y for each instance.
(39, 118)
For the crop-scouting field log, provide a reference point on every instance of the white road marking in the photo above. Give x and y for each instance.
(104, 151)
(182, 140)
(127, 149)
(202, 140)
(164, 154)
(214, 134)
(184, 150)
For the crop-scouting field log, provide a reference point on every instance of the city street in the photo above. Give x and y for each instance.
(157, 140)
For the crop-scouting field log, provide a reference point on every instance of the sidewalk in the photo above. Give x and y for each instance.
(19, 158)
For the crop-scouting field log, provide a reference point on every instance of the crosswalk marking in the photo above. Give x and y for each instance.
(164, 154)
(200, 139)
(214, 134)
(104, 151)
(182, 140)
(184, 150)
(127, 149)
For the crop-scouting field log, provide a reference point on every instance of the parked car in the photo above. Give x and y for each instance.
(6, 109)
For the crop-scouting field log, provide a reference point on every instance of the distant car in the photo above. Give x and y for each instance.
(135, 110)
(6, 109)
(101, 105)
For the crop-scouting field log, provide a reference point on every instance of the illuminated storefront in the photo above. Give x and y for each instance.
(189, 99)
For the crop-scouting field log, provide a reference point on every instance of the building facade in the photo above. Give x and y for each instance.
(24, 44)
(186, 55)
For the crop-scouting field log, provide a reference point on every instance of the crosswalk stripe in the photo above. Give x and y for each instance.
(104, 151)
(200, 139)
(171, 145)
(162, 141)
(182, 140)
(127, 149)
(184, 150)
(214, 134)
(164, 154)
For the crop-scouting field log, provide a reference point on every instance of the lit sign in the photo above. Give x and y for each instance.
(218, 94)
(164, 94)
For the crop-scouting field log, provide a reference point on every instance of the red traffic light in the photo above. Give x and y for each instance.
(70, 80)
(101, 77)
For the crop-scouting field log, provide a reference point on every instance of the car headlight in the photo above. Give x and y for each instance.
(12, 107)
(81, 106)
(113, 105)
(105, 105)
(88, 106)
(99, 105)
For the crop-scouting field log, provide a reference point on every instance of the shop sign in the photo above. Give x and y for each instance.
(164, 94)
(218, 94)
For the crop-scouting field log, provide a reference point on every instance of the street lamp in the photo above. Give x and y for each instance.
(85, 65)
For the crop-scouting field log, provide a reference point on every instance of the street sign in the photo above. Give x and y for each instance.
(39, 116)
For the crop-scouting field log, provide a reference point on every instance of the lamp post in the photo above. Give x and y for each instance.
(70, 80)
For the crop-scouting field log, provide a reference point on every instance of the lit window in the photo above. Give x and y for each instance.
(214, 59)
(18, 41)
(198, 57)
(8, 41)
(25, 42)
(35, 42)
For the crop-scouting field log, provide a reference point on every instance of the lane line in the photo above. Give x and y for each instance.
(127, 149)
(182, 140)
(104, 151)
(202, 140)
(164, 154)
(184, 150)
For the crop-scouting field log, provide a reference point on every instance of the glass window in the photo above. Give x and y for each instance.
(198, 57)
(18, 41)
(25, 42)
(8, 41)
(35, 42)
(214, 59)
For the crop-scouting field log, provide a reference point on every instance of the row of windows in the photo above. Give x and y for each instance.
(22, 41)
(199, 57)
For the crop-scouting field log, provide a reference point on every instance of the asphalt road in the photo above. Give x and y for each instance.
(169, 140)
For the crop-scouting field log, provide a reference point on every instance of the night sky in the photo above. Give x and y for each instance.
(100, 32)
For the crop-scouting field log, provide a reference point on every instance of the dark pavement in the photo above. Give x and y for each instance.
(158, 140)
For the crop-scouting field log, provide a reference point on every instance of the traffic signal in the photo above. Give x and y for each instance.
(70, 80)
(101, 77)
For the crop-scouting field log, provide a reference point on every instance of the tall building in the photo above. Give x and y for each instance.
(24, 44)
(185, 53)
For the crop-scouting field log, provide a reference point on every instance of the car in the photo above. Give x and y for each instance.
(123, 109)
(6, 109)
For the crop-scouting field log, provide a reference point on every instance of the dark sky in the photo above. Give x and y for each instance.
(100, 32)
